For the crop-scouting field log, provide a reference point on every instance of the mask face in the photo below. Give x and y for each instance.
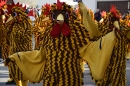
(60, 16)
(57, 12)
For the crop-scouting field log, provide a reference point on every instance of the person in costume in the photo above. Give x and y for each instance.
(2, 29)
(19, 35)
(125, 23)
(41, 23)
(3, 34)
(65, 43)
(117, 65)
(115, 74)
(4, 10)
(4, 16)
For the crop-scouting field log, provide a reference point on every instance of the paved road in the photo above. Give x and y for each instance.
(87, 78)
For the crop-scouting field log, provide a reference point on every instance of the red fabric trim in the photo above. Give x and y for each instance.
(57, 29)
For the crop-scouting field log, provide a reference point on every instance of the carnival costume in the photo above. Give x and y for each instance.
(41, 23)
(2, 26)
(20, 35)
(65, 42)
(115, 74)
(3, 33)
(125, 23)
(4, 17)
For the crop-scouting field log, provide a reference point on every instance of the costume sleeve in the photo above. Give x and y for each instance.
(31, 63)
(88, 22)
(97, 54)
(81, 34)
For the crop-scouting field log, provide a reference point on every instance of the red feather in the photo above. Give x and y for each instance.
(24, 8)
(17, 5)
(113, 10)
(59, 5)
(47, 9)
(2, 2)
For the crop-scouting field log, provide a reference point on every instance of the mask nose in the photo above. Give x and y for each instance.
(60, 19)
(9, 19)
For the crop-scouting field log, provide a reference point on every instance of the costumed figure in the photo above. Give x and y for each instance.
(4, 17)
(2, 28)
(115, 74)
(20, 36)
(116, 71)
(41, 23)
(65, 43)
(4, 10)
(4, 44)
(125, 23)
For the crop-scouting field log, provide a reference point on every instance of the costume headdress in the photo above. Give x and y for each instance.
(46, 9)
(67, 11)
(10, 7)
(2, 2)
(114, 11)
(61, 6)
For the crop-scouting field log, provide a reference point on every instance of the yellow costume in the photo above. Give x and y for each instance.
(115, 74)
(19, 36)
(57, 62)
(41, 23)
(125, 23)
(3, 32)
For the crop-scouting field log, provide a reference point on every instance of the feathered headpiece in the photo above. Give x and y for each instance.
(10, 7)
(2, 2)
(113, 10)
(61, 6)
(46, 9)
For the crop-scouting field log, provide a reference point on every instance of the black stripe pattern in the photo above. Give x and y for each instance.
(63, 59)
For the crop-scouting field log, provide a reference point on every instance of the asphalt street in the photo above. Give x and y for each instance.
(87, 78)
